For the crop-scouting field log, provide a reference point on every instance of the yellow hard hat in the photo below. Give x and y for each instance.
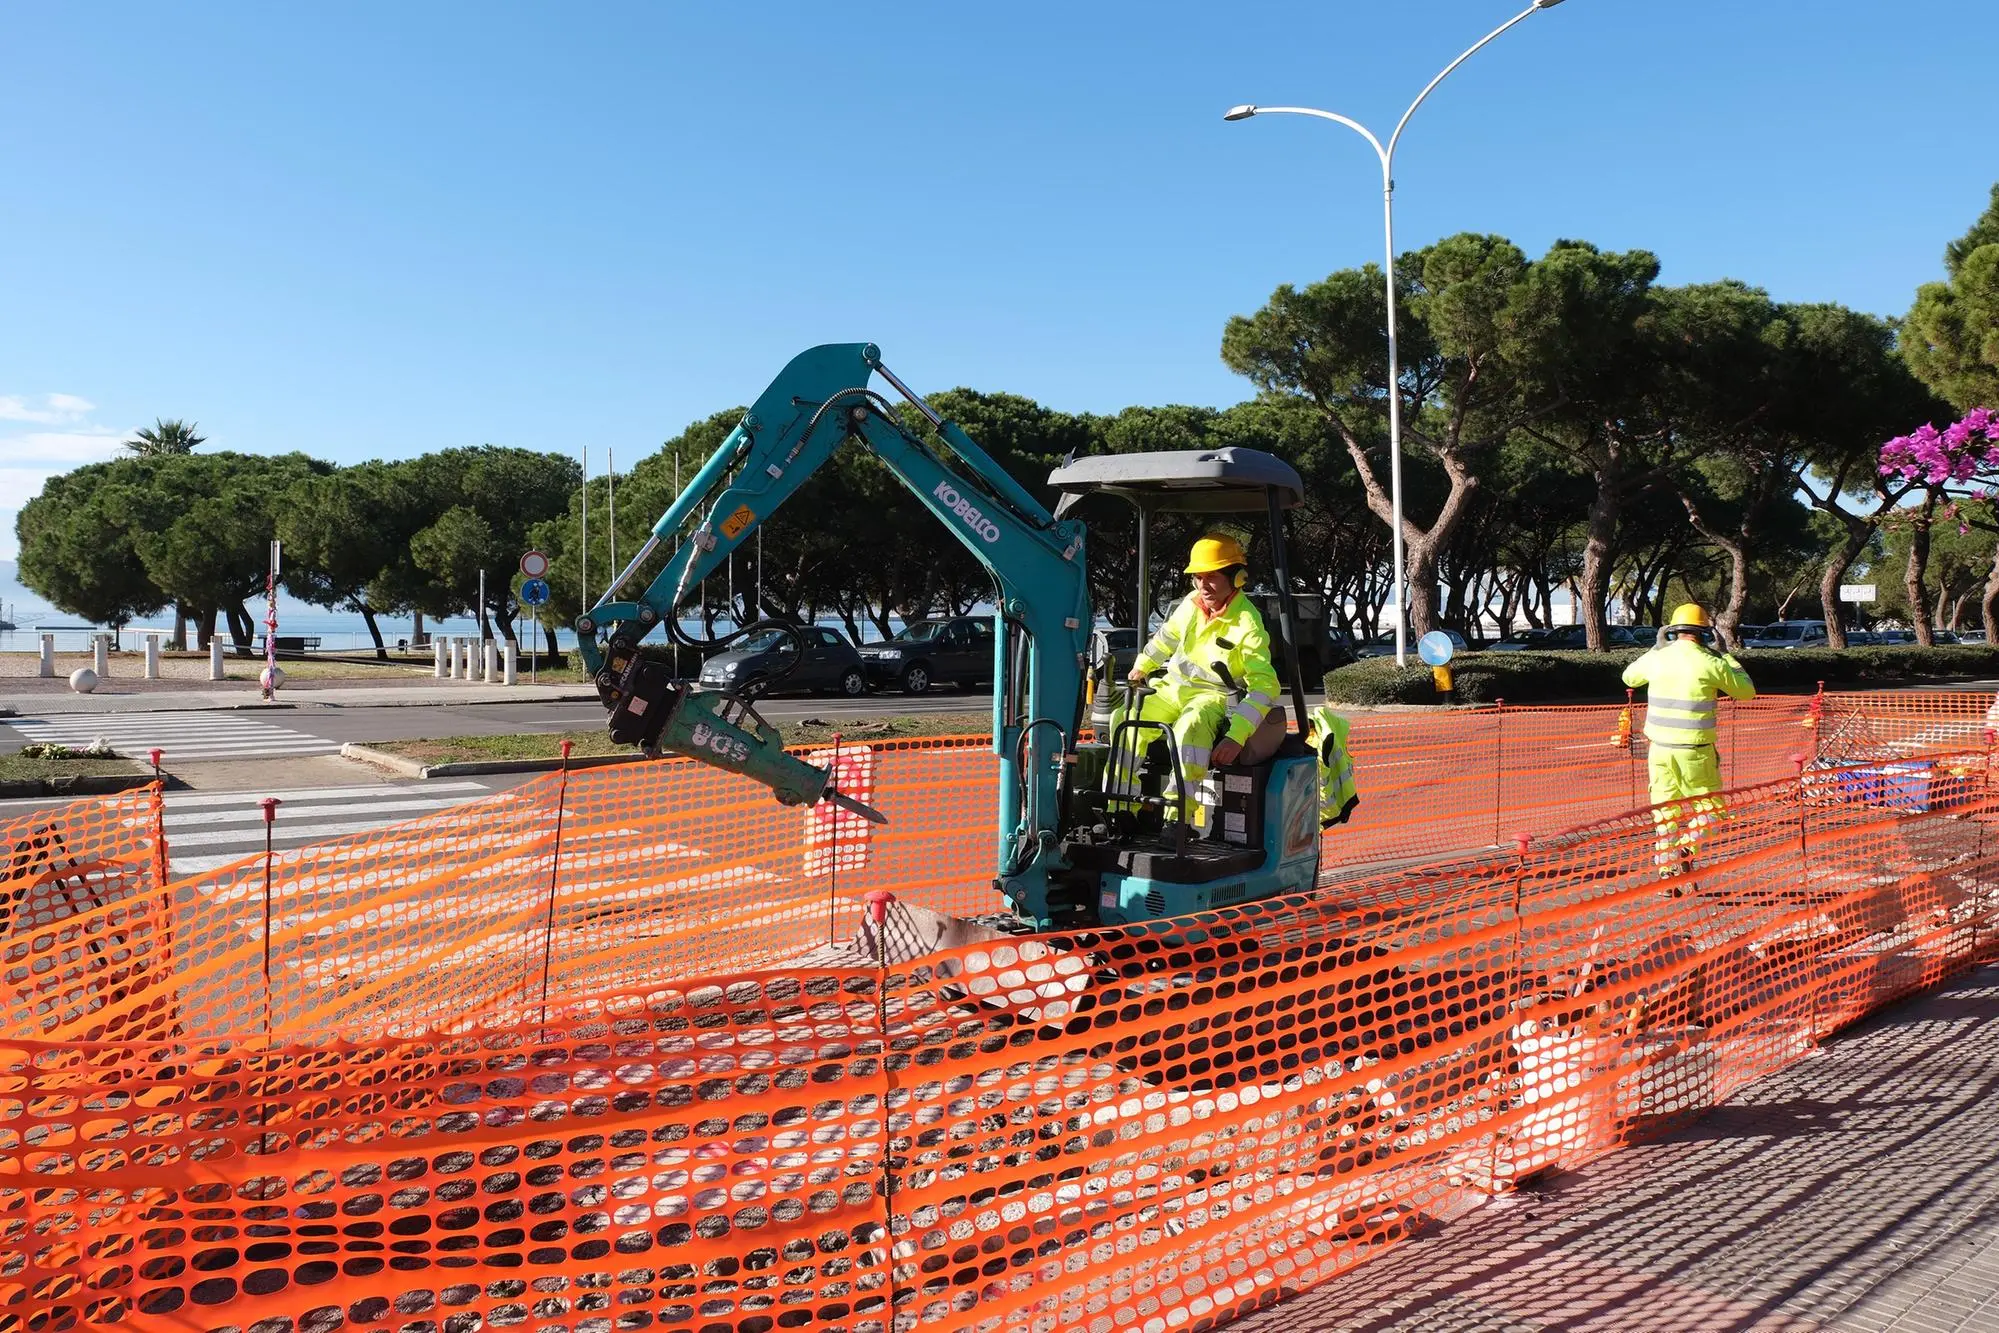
(1215, 552)
(1689, 615)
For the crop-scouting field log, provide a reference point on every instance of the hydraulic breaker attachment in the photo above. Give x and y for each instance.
(655, 714)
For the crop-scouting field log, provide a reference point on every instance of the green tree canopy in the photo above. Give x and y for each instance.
(1951, 334)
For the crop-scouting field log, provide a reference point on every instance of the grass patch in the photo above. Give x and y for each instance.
(19, 768)
(238, 668)
(1597, 677)
(804, 731)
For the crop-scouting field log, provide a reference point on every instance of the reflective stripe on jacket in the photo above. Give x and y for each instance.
(1338, 790)
(1192, 647)
(1681, 680)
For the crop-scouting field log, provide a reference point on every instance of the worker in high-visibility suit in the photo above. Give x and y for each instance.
(1683, 677)
(1339, 792)
(1218, 683)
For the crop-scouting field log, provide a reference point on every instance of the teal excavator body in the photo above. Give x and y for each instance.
(1067, 856)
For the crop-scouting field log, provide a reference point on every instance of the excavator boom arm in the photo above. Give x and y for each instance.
(821, 400)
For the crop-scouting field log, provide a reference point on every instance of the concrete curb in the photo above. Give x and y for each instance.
(474, 767)
(83, 784)
(395, 763)
(303, 702)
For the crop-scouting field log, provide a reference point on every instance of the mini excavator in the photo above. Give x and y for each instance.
(1069, 855)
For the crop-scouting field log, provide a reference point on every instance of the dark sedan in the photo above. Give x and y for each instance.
(959, 649)
(830, 663)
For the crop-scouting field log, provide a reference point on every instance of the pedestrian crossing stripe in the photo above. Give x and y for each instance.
(183, 737)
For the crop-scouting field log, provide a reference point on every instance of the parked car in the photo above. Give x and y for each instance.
(1119, 645)
(957, 649)
(830, 663)
(1384, 645)
(1321, 647)
(1971, 636)
(1519, 641)
(1945, 636)
(1789, 634)
(1575, 639)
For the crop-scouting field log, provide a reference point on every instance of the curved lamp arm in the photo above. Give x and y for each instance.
(1474, 49)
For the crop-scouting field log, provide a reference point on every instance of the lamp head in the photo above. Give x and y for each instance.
(1546, 4)
(1248, 109)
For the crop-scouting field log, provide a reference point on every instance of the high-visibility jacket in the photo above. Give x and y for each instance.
(1198, 649)
(1339, 793)
(1682, 680)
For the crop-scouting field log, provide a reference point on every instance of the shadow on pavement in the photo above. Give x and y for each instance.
(1857, 1191)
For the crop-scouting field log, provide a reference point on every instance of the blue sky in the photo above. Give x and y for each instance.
(369, 230)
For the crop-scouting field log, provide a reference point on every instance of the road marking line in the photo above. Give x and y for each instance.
(304, 794)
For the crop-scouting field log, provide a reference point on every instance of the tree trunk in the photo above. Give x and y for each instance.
(1836, 564)
(374, 631)
(1916, 574)
(416, 631)
(181, 617)
(1988, 605)
(1730, 619)
(241, 628)
(1421, 588)
(1595, 579)
(205, 629)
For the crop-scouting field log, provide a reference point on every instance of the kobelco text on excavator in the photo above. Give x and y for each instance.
(1067, 856)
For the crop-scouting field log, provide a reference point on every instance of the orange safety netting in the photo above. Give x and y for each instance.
(551, 1061)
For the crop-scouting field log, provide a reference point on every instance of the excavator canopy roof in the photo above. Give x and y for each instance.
(1204, 481)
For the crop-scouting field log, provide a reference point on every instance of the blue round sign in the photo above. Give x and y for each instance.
(534, 592)
(1435, 648)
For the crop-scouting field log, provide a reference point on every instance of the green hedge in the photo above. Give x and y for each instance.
(1596, 677)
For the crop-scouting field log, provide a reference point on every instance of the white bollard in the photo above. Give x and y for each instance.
(152, 657)
(489, 652)
(101, 655)
(440, 653)
(214, 657)
(461, 659)
(48, 655)
(510, 661)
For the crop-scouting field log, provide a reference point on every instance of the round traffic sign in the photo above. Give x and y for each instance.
(1435, 648)
(534, 564)
(534, 592)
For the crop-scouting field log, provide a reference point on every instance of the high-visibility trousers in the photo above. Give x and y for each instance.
(1686, 800)
(1194, 716)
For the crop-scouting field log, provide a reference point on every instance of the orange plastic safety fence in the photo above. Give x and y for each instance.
(577, 1079)
(83, 942)
(1436, 784)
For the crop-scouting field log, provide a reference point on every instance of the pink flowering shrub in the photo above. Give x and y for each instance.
(1963, 451)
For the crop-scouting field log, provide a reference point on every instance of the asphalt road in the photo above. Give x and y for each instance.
(389, 724)
(448, 719)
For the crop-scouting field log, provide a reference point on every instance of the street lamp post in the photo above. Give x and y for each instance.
(1387, 156)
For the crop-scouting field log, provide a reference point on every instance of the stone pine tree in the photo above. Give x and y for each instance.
(1950, 337)
(1475, 340)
